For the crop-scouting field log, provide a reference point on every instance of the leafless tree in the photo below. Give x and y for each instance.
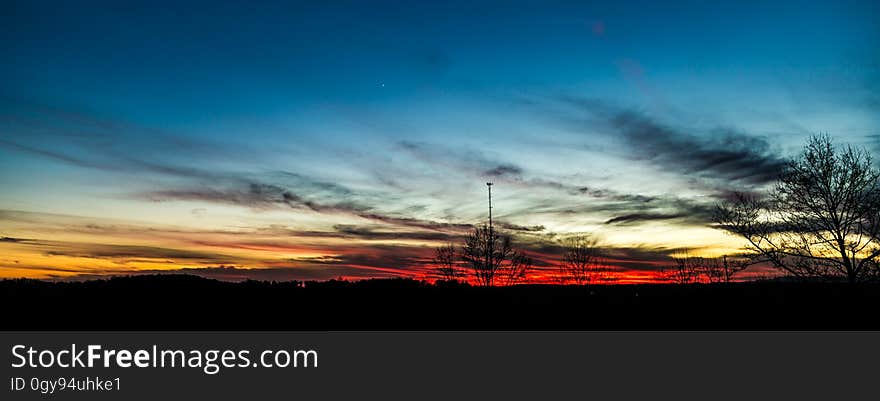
(445, 260)
(685, 269)
(821, 220)
(517, 270)
(491, 255)
(581, 260)
(723, 269)
(693, 269)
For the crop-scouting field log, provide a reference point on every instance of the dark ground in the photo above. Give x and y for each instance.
(177, 302)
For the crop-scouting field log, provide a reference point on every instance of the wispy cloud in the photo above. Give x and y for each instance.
(380, 226)
(719, 154)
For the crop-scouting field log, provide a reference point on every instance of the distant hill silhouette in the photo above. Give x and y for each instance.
(184, 302)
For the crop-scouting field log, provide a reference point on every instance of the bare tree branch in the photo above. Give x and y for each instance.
(821, 220)
(581, 260)
(491, 255)
(445, 259)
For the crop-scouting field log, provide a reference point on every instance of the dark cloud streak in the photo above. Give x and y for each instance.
(722, 154)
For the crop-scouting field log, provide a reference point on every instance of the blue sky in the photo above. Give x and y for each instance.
(627, 120)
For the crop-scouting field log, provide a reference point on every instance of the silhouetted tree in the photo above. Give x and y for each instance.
(692, 269)
(491, 255)
(580, 260)
(822, 219)
(517, 270)
(444, 258)
(685, 269)
(722, 270)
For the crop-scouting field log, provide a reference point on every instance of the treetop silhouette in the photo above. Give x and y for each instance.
(821, 220)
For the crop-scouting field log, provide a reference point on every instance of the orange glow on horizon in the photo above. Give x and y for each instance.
(83, 248)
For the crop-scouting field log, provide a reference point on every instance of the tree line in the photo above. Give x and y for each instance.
(819, 221)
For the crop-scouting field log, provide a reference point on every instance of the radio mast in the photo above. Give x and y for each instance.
(489, 185)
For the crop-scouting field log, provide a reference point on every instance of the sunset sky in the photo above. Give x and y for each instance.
(348, 139)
